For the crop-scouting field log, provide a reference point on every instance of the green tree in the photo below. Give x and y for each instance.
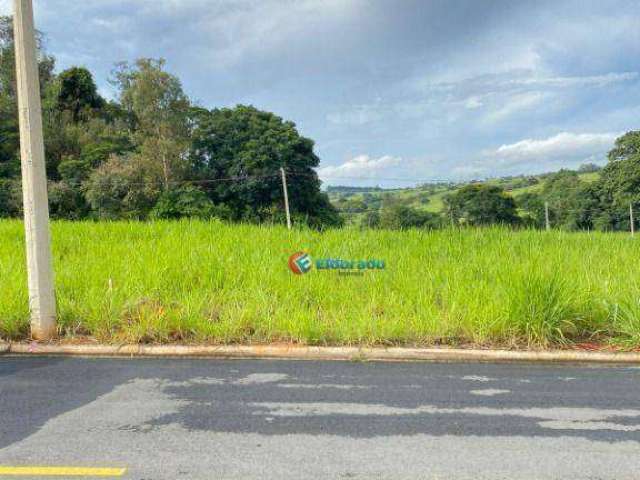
(531, 206)
(481, 204)
(187, 201)
(67, 201)
(563, 192)
(618, 185)
(158, 112)
(46, 63)
(396, 216)
(10, 198)
(118, 189)
(239, 152)
(589, 168)
(627, 146)
(370, 219)
(78, 93)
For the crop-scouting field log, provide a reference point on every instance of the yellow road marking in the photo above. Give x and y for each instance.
(63, 471)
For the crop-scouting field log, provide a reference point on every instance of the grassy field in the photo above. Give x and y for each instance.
(216, 283)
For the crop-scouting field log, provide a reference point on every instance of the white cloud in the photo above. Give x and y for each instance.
(565, 145)
(564, 150)
(473, 102)
(358, 116)
(584, 81)
(516, 103)
(360, 167)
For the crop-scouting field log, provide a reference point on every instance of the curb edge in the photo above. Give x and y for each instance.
(290, 352)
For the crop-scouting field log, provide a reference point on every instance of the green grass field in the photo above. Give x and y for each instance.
(216, 283)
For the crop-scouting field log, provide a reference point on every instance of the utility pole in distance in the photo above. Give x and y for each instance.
(286, 196)
(633, 229)
(42, 303)
(546, 216)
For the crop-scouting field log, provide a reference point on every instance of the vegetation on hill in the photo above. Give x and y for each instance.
(152, 153)
(591, 198)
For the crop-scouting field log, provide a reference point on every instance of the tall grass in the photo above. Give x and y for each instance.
(216, 283)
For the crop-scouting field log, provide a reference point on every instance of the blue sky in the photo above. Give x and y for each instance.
(394, 92)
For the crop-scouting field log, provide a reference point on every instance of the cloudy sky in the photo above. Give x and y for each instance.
(394, 92)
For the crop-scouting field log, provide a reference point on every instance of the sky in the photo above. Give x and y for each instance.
(393, 92)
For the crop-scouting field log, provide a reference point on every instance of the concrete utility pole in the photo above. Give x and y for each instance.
(286, 197)
(34, 179)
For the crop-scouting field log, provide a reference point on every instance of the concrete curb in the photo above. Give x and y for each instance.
(292, 352)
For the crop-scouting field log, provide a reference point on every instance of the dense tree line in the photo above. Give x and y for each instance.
(152, 153)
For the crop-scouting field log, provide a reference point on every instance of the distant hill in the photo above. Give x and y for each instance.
(356, 200)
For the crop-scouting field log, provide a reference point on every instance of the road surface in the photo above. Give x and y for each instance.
(210, 419)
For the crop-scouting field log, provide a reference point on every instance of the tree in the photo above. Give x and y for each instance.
(46, 63)
(158, 112)
(9, 138)
(395, 216)
(66, 201)
(239, 152)
(626, 147)
(481, 204)
(563, 192)
(187, 201)
(532, 208)
(589, 168)
(10, 198)
(125, 158)
(78, 93)
(618, 185)
(370, 219)
(117, 189)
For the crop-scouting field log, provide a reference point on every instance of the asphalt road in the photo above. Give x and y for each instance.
(206, 419)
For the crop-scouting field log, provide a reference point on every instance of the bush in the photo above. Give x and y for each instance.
(482, 204)
(73, 171)
(118, 189)
(370, 219)
(398, 217)
(187, 201)
(10, 200)
(66, 201)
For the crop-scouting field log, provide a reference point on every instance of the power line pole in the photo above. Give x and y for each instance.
(42, 303)
(546, 216)
(633, 230)
(286, 196)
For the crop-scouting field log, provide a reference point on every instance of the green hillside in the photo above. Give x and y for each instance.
(353, 201)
